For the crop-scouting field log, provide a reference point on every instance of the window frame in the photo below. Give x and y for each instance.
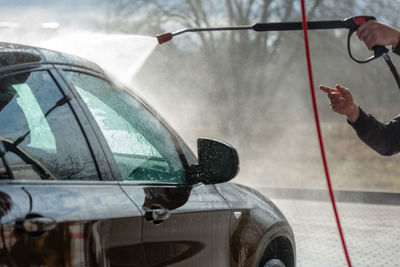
(102, 172)
(102, 140)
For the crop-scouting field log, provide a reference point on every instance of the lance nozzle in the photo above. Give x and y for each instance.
(165, 37)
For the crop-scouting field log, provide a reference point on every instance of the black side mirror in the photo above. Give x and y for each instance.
(218, 162)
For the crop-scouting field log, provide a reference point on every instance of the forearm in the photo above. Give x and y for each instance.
(354, 113)
(383, 138)
(396, 42)
(396, 47)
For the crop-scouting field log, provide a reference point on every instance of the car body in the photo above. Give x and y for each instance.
(92, 176)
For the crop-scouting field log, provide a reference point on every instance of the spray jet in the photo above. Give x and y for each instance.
(351, 23)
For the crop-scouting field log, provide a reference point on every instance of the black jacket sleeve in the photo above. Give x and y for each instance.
(383, 138)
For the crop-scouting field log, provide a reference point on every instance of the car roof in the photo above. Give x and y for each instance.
(12, 54)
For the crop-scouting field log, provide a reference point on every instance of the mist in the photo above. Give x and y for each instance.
(274, 128)
(121, 55)
(255, 97)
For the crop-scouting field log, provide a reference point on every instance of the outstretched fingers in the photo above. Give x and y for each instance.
(336, 96)
(327, 89)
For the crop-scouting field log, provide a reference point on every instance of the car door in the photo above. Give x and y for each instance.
(185, 224)
(59, 204)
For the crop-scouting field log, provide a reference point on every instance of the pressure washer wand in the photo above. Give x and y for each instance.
(351, 23)
(274, 26)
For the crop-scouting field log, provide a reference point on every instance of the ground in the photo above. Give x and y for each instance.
(372, 233)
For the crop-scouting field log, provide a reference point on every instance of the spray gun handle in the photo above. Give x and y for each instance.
(379, 50)
(353, 24)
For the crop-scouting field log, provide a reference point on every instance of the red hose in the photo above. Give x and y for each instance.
(321, 143)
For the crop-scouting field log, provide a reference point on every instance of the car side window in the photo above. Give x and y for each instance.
(143, 148)
(39, 131)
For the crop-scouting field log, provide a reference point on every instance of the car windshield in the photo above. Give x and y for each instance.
(143, 148)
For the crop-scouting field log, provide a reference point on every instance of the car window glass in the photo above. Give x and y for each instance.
(143, 148)
(39, 131)
(121, 136)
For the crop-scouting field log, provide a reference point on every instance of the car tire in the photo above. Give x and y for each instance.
(274, 263)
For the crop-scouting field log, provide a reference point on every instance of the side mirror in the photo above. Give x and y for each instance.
(218, 162)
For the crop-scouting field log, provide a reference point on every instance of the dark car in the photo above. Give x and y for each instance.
(90, 175)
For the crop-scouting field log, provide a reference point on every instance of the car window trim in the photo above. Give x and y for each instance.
(91, 141)
(58, 182)
(106, 152)
(65, 94)
(16, 71)
(22, 67)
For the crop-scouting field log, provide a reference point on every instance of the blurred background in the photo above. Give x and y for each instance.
(248, 89)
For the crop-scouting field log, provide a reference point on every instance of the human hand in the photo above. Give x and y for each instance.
(342, 102)
(374, 33)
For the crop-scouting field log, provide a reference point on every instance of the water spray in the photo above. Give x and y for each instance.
(351, 23)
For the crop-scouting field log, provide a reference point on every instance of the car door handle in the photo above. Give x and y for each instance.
(157, 215)
(40, 224)
(36, 224)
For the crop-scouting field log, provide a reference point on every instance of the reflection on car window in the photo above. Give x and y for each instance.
(142, 147)
(39, 132)
(122, 136)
